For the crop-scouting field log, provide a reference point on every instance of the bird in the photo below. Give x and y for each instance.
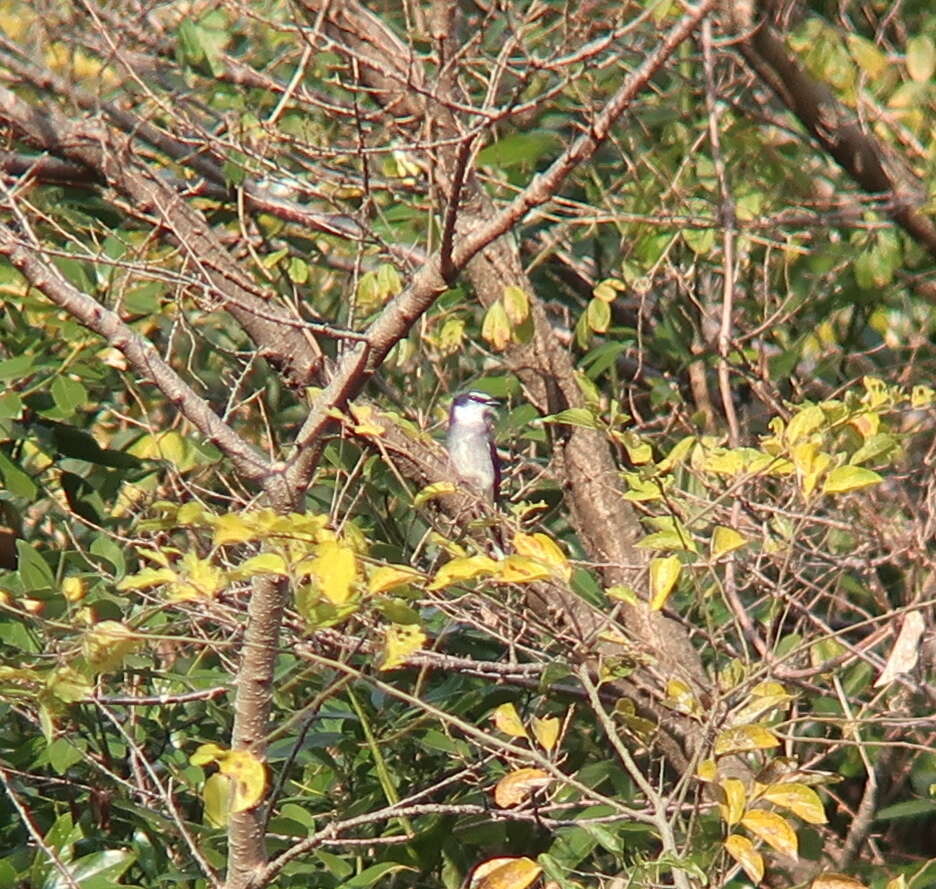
(470, 443)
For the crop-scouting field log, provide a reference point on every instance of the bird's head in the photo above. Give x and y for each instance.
(472, 409)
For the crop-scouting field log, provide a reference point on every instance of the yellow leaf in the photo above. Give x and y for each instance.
(246, 773)
(742, 850)
(401, 641)
(262, 563)
(680, 697)
(520, 569)
(515, 788)
(836, 881)
(197, 579)
(798, 798)
(430, 492)
(546, 731)
(106, 645)
(508, 721)
(546, 550)
(707, 770)
(148, 577)
(462, 569)
(743, 738)
(73, 588)
(365, 417)
(516, 304)
(216, 795)
(505, 873)
(735, 800)
(724, 540)
(849, 478)
(232, 528)
(389, 577)
(496, 326)
(664, 572)
(773, 829)
(335, 570)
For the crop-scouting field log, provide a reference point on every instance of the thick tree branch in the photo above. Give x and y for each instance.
(834, 126)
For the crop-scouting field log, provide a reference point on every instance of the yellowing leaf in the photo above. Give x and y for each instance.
(148, 577)
(515, 788)
(849, 478)
(735, 799)
(679, 697)
(232, 528)
(430, 492)
(463, 569)
(516, 304)
(598, 315)
(836, 881)
(743, 738)
(246, 773)
(366, 423)
(262, 563)
(196, 579)
(505, 873)
(335, 570)
(106, 645)
(773, 829)
(216, 795)
(496, 326)
(798, 798)
(73, 588)
(546, 550)
(389, 577)
(742, 850)
(401, 641)
(520, 569)
(68, 685)
(664, 572)
(508, 721)
(707, 770)
(724, 540)
(546, 731)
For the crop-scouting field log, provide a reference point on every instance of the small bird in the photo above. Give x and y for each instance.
(470, 443)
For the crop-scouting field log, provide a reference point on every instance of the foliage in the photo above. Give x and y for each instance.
(253, 633)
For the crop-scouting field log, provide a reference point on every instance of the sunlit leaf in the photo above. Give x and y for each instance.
(68, 685)
(496, 327)
(664, 572)
(906, 651)
(544, 549)
(742, 850)
(735, 800)
(725, 540)
(849, 478)
(801, 800)
(773, 829)
(437, 489)
(516, 304)
(335, 570)
(516, 787)
(247, 774)
(465, 568)
(106, 645)
(389, 577)
(546, 731)
(505, 873)
(836, 881)
(508, 721)
(743, 738)
(921, 58)
(401, 641)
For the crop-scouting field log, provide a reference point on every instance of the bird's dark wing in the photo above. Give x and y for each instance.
(495, 462)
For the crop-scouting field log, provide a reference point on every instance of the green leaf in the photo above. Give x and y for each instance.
(574, 416)
(68, 395)
(15, 480)
(11, 406)
(519, 148)
(16, 368)
(34, 571)
(599, 315)
(373, 874)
